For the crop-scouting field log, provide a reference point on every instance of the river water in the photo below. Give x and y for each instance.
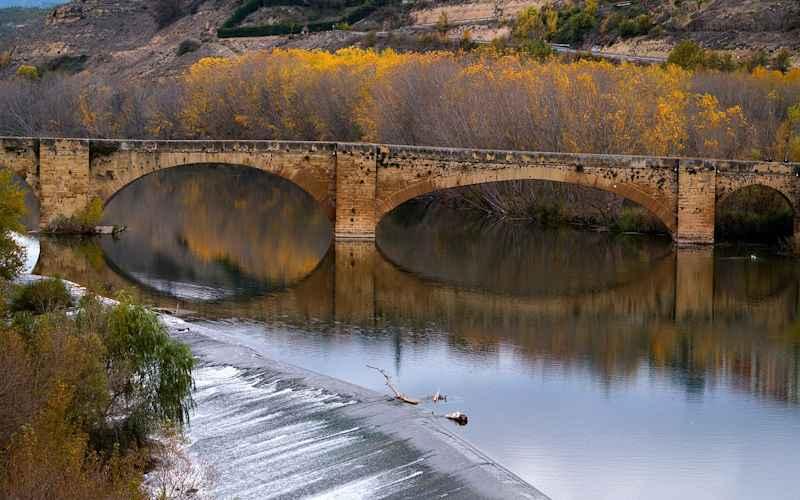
(591, 365)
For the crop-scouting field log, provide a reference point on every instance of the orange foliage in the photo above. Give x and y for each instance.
(485, 100)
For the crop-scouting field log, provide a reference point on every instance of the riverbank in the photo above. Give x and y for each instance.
(266, 429)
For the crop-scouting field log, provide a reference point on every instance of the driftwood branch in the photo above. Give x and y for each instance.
(457, 417)
(397, 394)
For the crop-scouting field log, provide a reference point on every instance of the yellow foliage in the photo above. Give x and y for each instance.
(28, 71)
(589, 106)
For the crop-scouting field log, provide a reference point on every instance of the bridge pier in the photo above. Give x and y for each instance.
(64, 178)
(697, 200)
(356, 186)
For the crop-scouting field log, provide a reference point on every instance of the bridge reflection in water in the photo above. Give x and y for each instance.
(698, 315)
(603, 358)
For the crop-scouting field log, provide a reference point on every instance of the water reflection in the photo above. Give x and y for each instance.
(610, 363)
(207, 233)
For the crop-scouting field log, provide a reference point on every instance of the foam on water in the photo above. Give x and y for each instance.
(271, 437)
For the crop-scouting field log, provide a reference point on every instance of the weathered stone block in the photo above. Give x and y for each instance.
(356, 185)
(64, 184)
(696, 202)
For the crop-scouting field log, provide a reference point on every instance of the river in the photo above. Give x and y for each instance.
(591, 365)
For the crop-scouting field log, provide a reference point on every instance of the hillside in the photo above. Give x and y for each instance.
(145, 39)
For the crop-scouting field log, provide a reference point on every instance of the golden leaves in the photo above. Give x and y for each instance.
(583, 106)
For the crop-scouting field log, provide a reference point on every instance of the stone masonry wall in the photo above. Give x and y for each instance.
(357, 184)
(406, 172)
(64, 182)
(311, 166)
(696, 202)
(356, 178)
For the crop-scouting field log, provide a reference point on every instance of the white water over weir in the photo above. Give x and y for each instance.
(270, 430)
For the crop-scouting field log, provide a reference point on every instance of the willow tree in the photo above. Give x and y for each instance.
(12, 208)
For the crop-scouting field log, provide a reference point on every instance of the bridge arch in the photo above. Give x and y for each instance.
(312, 173)
(723, 195)
(657, 202)
(777, 226)
(113, 187)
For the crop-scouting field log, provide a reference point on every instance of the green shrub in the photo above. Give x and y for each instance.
(67, 64)
(12, 208)
(639, 26)
(720, 61)
(635, 220)
(83, 222)
(538, 49)
(41, 297)
(687, 54)
(758, 59)
(574, 27)
(29, 72)
(89, 389)
(548, 214)
(12, 257)
(782, 61)
(5, 58)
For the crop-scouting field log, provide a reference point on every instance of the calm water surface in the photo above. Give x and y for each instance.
(591, 365)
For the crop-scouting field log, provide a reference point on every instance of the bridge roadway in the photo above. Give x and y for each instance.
(357, 184)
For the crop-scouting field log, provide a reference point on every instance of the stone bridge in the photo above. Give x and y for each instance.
(357, 184)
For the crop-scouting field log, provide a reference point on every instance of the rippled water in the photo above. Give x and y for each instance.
(594, 366)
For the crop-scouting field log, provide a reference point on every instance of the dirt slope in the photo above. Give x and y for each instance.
(121, 38)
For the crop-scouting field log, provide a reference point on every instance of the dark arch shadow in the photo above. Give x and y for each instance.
(638, 194)
(756, 212)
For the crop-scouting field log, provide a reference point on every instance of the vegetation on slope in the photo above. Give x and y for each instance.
(80, 393)
(347, 13)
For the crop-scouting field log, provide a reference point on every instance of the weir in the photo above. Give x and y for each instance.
(357, 184)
